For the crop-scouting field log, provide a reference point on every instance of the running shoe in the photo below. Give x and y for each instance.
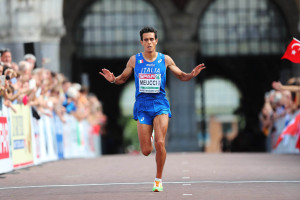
(157, 186)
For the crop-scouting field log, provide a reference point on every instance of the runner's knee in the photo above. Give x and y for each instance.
(146, 151)
(159, 145)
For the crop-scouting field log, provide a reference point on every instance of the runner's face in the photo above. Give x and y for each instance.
(149, 42)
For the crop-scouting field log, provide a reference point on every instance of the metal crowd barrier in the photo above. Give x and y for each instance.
(27, 141)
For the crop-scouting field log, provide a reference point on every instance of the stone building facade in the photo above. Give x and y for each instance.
(240, 41)
(33, 26)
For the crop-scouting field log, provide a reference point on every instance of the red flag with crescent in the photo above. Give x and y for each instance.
(292, 52)
(293, 129)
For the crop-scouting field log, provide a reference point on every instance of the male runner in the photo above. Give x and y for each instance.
(151, 109)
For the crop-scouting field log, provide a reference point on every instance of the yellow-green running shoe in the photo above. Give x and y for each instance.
(157, 186)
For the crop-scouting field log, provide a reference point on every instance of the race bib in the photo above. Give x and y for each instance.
(149, 83)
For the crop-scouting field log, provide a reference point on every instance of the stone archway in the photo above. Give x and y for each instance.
(238, 45)
(105, 35)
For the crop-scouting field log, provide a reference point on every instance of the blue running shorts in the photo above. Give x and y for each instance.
(146, 109)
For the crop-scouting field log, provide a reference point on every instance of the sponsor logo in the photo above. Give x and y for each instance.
(19, 144)
(147, 76)
(159, 60)
(150, 65)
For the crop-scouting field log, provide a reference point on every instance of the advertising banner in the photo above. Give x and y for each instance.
(22, 153)
(5, 158)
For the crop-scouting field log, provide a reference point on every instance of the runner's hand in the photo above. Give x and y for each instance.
(109, 76)
(197, 70)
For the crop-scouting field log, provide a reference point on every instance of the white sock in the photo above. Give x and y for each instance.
(157, 179)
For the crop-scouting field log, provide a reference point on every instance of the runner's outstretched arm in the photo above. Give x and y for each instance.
(122, 78)
(180, 74)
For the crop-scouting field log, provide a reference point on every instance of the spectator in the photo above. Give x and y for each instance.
(278, 86)
(46, 92)
(6, 57)
(31, 59)
(280, 107)
(266, 116)
(1, 68)
(275, 99)
(293, 85)
(25, 68)
(96, 117)
(15, 66)
(70, 102)
(56, 102)
(82, 104)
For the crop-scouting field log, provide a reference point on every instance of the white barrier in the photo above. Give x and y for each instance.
(27, 141)
(58, 132)
(49, 138)
(88, 139)
(36, 141)
(70, 134)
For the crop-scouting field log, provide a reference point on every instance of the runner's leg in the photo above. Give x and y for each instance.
(160, 124)
(144, 133)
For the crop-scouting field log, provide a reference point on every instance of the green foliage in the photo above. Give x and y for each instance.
(131, 140)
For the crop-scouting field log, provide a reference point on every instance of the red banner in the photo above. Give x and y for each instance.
(4, 139)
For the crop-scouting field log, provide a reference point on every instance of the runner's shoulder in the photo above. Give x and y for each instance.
(168, 60)
(167, 57)
(132, 58)
(131, 61)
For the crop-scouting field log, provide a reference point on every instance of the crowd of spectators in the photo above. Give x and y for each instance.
(283, 101)
(47, 92)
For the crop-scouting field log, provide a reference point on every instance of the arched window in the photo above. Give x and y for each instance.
(221, 97)
(242, 27)
(110, 28)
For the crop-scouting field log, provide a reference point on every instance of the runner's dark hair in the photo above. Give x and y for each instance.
(148, 29)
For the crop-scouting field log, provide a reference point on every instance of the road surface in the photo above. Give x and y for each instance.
(232, 176)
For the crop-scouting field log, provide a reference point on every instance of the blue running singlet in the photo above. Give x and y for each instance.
(150, 95)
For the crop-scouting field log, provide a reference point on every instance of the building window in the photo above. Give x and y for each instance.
(222, 97)
(242, 27)
(110, 28)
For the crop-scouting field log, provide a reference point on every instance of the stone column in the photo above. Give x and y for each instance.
(50, 54)
(52, 31)
(19, 24)
(182, 129)
(31, 21)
